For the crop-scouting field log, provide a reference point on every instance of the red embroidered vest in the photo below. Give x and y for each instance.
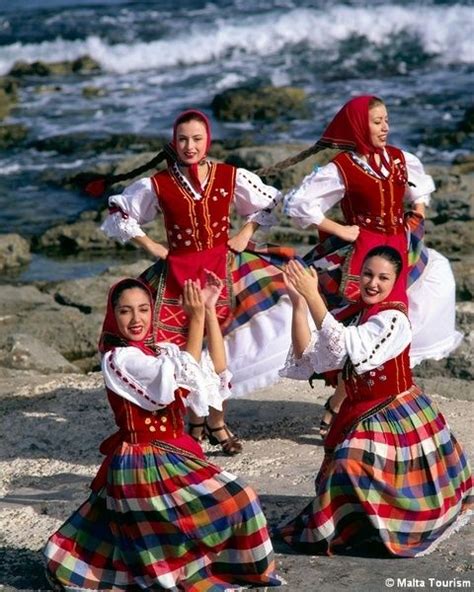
(388, 379)
(196, 224)
(138, 425)
(373, 202)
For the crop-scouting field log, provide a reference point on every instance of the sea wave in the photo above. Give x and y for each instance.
(443, 32)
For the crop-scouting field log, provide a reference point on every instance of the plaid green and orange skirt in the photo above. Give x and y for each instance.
(399, 481)
(165, 520)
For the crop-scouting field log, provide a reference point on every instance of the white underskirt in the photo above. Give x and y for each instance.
(432, 311)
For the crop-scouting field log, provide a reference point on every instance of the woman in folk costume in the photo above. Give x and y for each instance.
(160, 516)
(195, 195)
(371, 180)
(393, 473)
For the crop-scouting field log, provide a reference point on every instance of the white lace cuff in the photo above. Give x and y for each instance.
(299, 368)
(329, 352)
(120, 228)
(263, 218)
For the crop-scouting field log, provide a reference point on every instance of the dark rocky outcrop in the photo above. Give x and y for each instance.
(82, 65)
(260, 103)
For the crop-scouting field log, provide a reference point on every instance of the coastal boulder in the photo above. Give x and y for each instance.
(14, 251)
(8, 95)
(82, 65)
(25, 352)
(261, 103)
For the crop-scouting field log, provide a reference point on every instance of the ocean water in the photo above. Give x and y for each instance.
(158, 57)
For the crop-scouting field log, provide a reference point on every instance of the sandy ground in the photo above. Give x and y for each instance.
(50, 429)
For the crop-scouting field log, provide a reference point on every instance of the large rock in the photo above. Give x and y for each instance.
(265, 103)
(24, 352)
(82, 65)
(15, 299)
(14, 251)
(89, 295)
(27, 310)
(453, 238)
(464, 274)
(8, 95)
(84, 235)
(460, 364)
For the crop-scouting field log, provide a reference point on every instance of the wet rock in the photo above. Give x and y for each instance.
(82, 65)
(8, 95)
(265, 103)
(14, 251)
(449, 137)
(83, 143)
(93, 91)
(25, 352)
(12, 134)
(84, 235)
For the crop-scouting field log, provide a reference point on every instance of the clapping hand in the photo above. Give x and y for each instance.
(192, 299)
(212, 289)
(300, 281)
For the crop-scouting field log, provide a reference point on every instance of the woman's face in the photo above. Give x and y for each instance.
(133, 314)
(378, 126)
(377, 279)
(191, 141)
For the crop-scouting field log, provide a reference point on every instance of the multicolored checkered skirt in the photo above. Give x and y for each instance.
(400, 479)
(166, 520)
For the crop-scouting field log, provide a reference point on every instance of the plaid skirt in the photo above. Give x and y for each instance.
(400, 480)
(165, 520)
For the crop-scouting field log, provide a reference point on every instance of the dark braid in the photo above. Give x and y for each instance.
(98, 186)
(288, 162)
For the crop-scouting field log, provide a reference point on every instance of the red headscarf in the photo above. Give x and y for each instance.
(349, 130)
(110, 336)
(189, 115)
(397, 298)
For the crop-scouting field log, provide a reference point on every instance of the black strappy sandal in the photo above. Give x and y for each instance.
(196, 426)
(230, 445)
(324, 426)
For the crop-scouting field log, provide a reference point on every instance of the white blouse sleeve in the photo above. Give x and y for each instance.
(423, 184)
(254, 200)
(147, 381)
(317, 193)
(206, 387)
(383, 337)
(138, 204)
(299, 368)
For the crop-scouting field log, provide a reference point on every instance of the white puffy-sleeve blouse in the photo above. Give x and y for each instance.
(138, 204)
(330, 347)
(324, 188)
(155, 379)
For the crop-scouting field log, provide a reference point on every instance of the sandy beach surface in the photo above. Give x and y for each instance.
(51, 427)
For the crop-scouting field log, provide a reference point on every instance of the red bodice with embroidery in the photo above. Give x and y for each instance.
(137, 425)
(391, 377)
(196, 224)
(372, 202)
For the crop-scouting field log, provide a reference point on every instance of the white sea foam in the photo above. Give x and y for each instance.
(441, 30)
